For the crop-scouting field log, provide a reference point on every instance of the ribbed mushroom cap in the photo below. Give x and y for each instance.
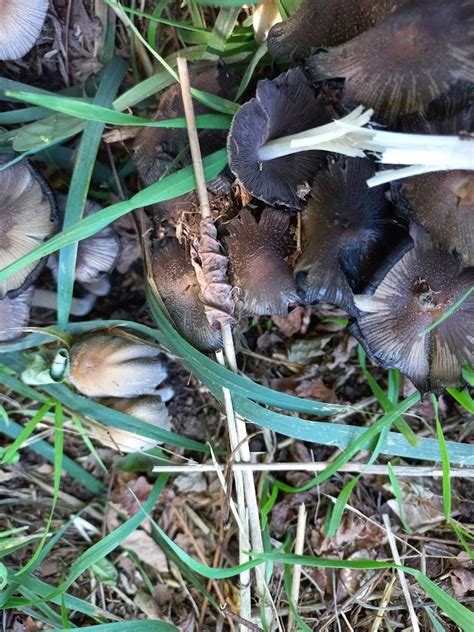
(178, 286)
(258, 268)
(282, 106)
(27, 218)
(97, 256)
(412, 295)
(443, 203)
(21, 22)
(15, 314)
(319, 24)
(417, 54)
(344, 228)
(156, 148)
(108, 365)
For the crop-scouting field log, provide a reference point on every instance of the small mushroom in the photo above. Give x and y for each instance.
(410, 297)
(21, 22)
(415, 55)
(259, 270)
(159, 151)
(110, 365)
(283, 106)
(150, 409)
(345, 226)
(443, 203)
(27, 218)
(178, 286)
(15, 314)
(319, 24)
(97, 256)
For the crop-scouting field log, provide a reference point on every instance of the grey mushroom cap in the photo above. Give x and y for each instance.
(347, 228)
(21, 22)
(319, 24)
(258, 266)
(179, 289)
(97, 256)
(15, 314)
(282, 106)
(410, 297)
(28, 217)
(418, 53)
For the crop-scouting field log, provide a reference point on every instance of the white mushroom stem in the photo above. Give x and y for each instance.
(48, 300)
(421, 153)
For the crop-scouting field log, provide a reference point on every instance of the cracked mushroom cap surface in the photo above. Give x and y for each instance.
(179, 289)
(345, 226)
(319, 24)
(282, 106)
(109, 365)
(411, 296)
(257, 252)
(28, 217)
(21, 22)
(420, 52)
(15, 314)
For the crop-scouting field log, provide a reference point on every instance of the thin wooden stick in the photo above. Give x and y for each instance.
(299, 550)
(358, 468)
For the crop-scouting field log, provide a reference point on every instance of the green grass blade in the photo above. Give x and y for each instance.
(445, 315)
(398, 496)
(97, 113)
(137, 625)
(446, 482)
(223, 27)
(79, 186)
(25, 433)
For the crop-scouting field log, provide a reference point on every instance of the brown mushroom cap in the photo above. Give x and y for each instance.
(178, 286)
(345, 225)
(411, 296)
(443, 203)
(258, 268)
(15, 314)
(108, 365)
(401, 65)
(27, 218)
(319, 24)
(156, 148)
(283, 106)
(21, 22)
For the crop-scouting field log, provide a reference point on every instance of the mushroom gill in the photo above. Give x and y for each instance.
(418, 53)
(319, 24)
(345, 229)
(411, 296)
(176, 281)
(15, 314)
(27, 218)
(258, 267)
(21, 22)
(282, 106)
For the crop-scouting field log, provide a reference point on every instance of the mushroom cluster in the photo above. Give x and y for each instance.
(397, 257)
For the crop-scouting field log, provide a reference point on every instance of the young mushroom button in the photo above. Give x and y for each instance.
(413, 294)
(420, 52)
(283, 106)
(27, 218)
(21, 22)
(109, 365)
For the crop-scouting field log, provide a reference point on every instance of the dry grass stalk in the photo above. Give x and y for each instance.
(299, 549)
(237, 430)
